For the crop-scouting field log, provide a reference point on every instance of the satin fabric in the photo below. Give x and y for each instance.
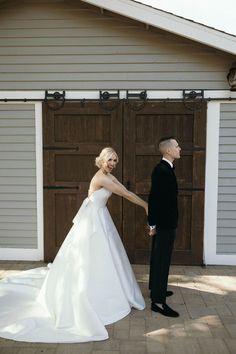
(89, 285)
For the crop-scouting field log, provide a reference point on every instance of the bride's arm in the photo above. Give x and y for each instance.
(118, 188)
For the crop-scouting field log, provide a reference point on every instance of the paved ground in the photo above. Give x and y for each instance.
(205, 298)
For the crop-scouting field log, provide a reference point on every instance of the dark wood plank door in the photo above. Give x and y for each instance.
(72, 137)
(75, 134)
(142, 130)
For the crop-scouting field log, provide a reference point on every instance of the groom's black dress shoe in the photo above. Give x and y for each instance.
(169, 293)
(164, 309)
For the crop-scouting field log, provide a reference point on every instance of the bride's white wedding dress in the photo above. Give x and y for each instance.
(89, 285)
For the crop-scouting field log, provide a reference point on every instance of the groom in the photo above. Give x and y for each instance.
(163, 219)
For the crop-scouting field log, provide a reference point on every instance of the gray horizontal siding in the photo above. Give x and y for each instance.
(71, 45)
(124, 59)
(226, 217)
(18, 214)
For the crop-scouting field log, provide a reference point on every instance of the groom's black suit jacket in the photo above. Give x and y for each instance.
(162, 203)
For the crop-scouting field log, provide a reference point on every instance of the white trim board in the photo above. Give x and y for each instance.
(39, 176)
(20, 254)
(76, 94)
(211, 189)
(169, 22)
(211, 182)
(32, 254)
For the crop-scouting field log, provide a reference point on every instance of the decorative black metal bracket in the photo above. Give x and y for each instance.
(141, 95)
(105, 97)
(55, 96)
(136, 106)
(193, 94)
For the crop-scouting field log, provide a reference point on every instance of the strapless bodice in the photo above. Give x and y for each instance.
(100, 196)
(96, 200)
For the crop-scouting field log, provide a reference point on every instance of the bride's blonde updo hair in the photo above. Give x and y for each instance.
(105, 155)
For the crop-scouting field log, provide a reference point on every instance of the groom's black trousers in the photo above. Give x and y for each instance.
(162, 246)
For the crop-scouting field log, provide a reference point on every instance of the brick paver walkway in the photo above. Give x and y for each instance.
(204, 297)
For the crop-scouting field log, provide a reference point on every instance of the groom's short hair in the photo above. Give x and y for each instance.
(164, 143)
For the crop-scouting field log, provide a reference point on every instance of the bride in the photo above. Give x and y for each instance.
(90, 283)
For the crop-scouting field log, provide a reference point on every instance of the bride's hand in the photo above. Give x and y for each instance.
(146, 208)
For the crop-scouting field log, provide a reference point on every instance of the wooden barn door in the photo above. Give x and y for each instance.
(72, 138)
(75, 134)
(142, 130)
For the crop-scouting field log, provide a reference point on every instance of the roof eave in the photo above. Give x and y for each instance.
(170, 23)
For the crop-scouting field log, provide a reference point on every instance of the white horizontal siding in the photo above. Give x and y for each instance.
(71, 45)
(18, 213)
(226, 216)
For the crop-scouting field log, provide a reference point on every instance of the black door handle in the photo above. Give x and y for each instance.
(61, 187)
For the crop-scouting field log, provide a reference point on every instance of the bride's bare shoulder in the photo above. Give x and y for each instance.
(97, 181)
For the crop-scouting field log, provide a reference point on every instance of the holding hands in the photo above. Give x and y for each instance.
(151, 230)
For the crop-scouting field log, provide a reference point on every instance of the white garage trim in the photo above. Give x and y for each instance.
(211, 189)
(211, 184)
(32, 254)
(94, 95)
